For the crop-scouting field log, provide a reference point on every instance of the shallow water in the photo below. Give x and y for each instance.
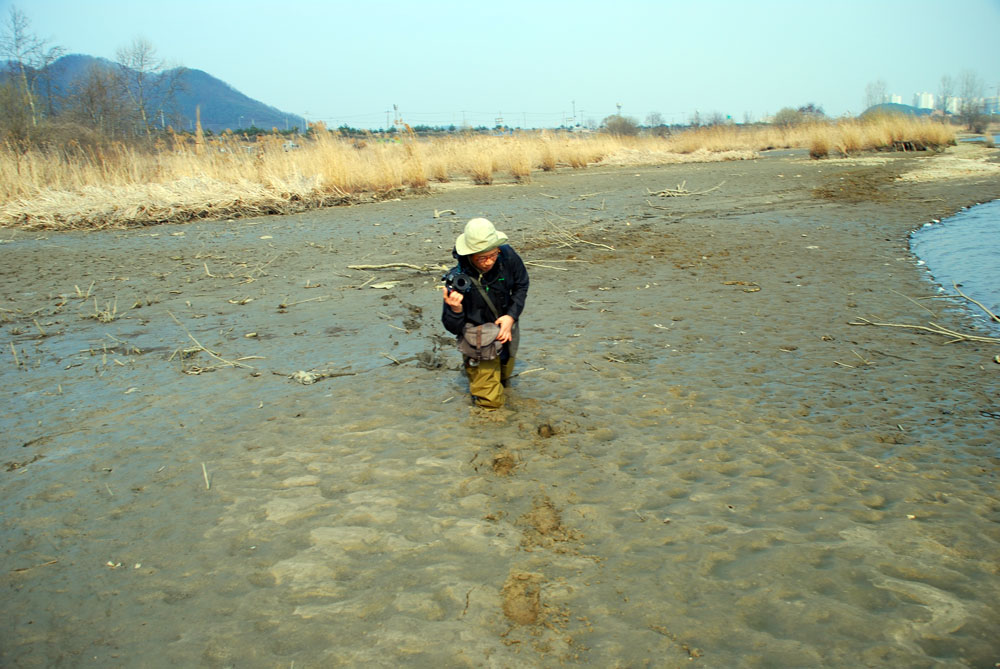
(676, 479)
(964, 249)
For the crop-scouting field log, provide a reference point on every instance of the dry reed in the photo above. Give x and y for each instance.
(194, 178)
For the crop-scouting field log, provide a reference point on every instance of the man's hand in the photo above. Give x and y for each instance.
(505, 323)
(453, 299)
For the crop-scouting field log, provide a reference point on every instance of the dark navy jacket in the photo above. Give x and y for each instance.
(506, 283)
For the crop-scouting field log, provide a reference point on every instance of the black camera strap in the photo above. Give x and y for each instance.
(489, 302)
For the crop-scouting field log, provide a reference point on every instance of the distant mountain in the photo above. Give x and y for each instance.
(222, 106)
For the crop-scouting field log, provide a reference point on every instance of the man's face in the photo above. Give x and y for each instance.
(484, 261)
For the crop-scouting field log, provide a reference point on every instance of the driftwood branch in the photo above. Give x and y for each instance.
(401, 265)
(307, 378)
(933, 328)
(541, 263)
(992, 315)
(681, 191)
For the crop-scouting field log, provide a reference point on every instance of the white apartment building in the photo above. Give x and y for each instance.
(923, 100)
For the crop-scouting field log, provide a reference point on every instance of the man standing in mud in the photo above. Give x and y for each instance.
(488, 288)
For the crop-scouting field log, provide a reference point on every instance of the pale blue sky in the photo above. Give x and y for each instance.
(448, 62)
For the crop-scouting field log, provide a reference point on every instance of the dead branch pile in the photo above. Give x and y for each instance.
(681, 191)
(562, 237)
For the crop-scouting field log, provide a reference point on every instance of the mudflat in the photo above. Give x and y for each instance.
(225, 444)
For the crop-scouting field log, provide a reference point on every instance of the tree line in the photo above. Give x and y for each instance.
(965, 93)
(129, 100)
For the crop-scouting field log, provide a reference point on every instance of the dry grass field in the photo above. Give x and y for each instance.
(73, 187)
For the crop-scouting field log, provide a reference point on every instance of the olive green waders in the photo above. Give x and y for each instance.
(488, 378)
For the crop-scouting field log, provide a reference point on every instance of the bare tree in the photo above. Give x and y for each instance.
(716, 118)
(28, 58)
(876, 92)
(946, 91)
(148, 84)
(656, 124)
(971, 106)
(96, 100)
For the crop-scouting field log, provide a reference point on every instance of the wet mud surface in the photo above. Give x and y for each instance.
(702, 460)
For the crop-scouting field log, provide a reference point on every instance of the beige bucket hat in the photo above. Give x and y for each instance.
(479, 236)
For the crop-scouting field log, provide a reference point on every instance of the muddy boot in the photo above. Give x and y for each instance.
(484, 383)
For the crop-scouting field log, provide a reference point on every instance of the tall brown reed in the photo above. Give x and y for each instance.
(231, 176)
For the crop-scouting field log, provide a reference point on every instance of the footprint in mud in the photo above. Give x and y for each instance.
(543, 528)
(504, 463)
(415, 318)
(521, 597)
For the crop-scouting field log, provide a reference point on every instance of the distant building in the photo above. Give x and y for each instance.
(923, 101)
(894, 99)
(993, 105)
(951, 105)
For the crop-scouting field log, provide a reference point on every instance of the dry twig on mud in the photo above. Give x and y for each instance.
(751, 286)
(536, 264)
(915, 302)
(307, 378)
(992, 315)
(322, 298)
(539, 263)
(681, 191)
(194, 369)
(24, 569)
(404, 265)
(934, 328)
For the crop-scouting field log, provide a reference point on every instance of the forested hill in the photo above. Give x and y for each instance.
(222, 106)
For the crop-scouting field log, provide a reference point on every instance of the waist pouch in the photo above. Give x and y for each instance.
(479, 342)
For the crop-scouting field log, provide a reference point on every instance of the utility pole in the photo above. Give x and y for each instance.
(574, 111)
(619, 105)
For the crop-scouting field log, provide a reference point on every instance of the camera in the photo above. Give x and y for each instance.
(457, 280)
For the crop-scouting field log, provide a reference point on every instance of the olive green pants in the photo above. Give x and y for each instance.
(487, 379)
